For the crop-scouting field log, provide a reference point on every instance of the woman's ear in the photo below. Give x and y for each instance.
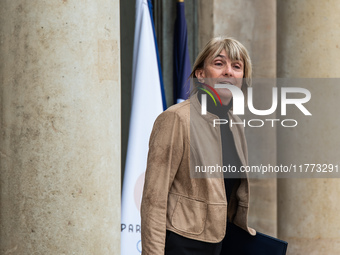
(199, 73)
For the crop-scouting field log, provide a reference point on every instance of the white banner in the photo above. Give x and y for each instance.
(146, 106)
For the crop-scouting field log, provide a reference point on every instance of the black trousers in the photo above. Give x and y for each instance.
(179, 245)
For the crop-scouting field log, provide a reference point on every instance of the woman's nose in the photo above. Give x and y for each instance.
(228, 71)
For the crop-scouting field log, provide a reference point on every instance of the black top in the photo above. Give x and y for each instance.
(229, 153)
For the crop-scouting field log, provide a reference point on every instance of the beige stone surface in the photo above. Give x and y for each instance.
(308, 47)
(59, 127)
(308, 215)
(308, 38)
(253, 23)
(205, 22)
(313, 246)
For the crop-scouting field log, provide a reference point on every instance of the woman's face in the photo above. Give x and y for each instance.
(222, 70)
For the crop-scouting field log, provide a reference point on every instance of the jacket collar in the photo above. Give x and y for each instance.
(196, 105)
(237, 131)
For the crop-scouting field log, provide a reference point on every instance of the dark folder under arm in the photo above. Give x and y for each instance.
(239, 242)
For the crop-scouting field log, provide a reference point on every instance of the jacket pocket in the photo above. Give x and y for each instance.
(189, 215)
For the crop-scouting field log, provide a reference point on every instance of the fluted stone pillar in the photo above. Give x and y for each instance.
(253, 23)
(308, 47)
(59, 127)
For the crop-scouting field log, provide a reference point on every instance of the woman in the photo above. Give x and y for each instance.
(186, 215)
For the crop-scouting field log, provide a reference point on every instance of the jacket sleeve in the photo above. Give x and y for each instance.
(166, 148)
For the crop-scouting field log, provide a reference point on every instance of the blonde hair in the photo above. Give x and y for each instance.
(235, 51)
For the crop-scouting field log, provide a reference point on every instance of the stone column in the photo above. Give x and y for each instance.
(59, 127)
(308, 47)
(253, 23)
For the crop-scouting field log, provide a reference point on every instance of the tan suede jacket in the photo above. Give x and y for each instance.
(195, 208)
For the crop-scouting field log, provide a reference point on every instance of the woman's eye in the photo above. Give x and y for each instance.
(218, 63)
